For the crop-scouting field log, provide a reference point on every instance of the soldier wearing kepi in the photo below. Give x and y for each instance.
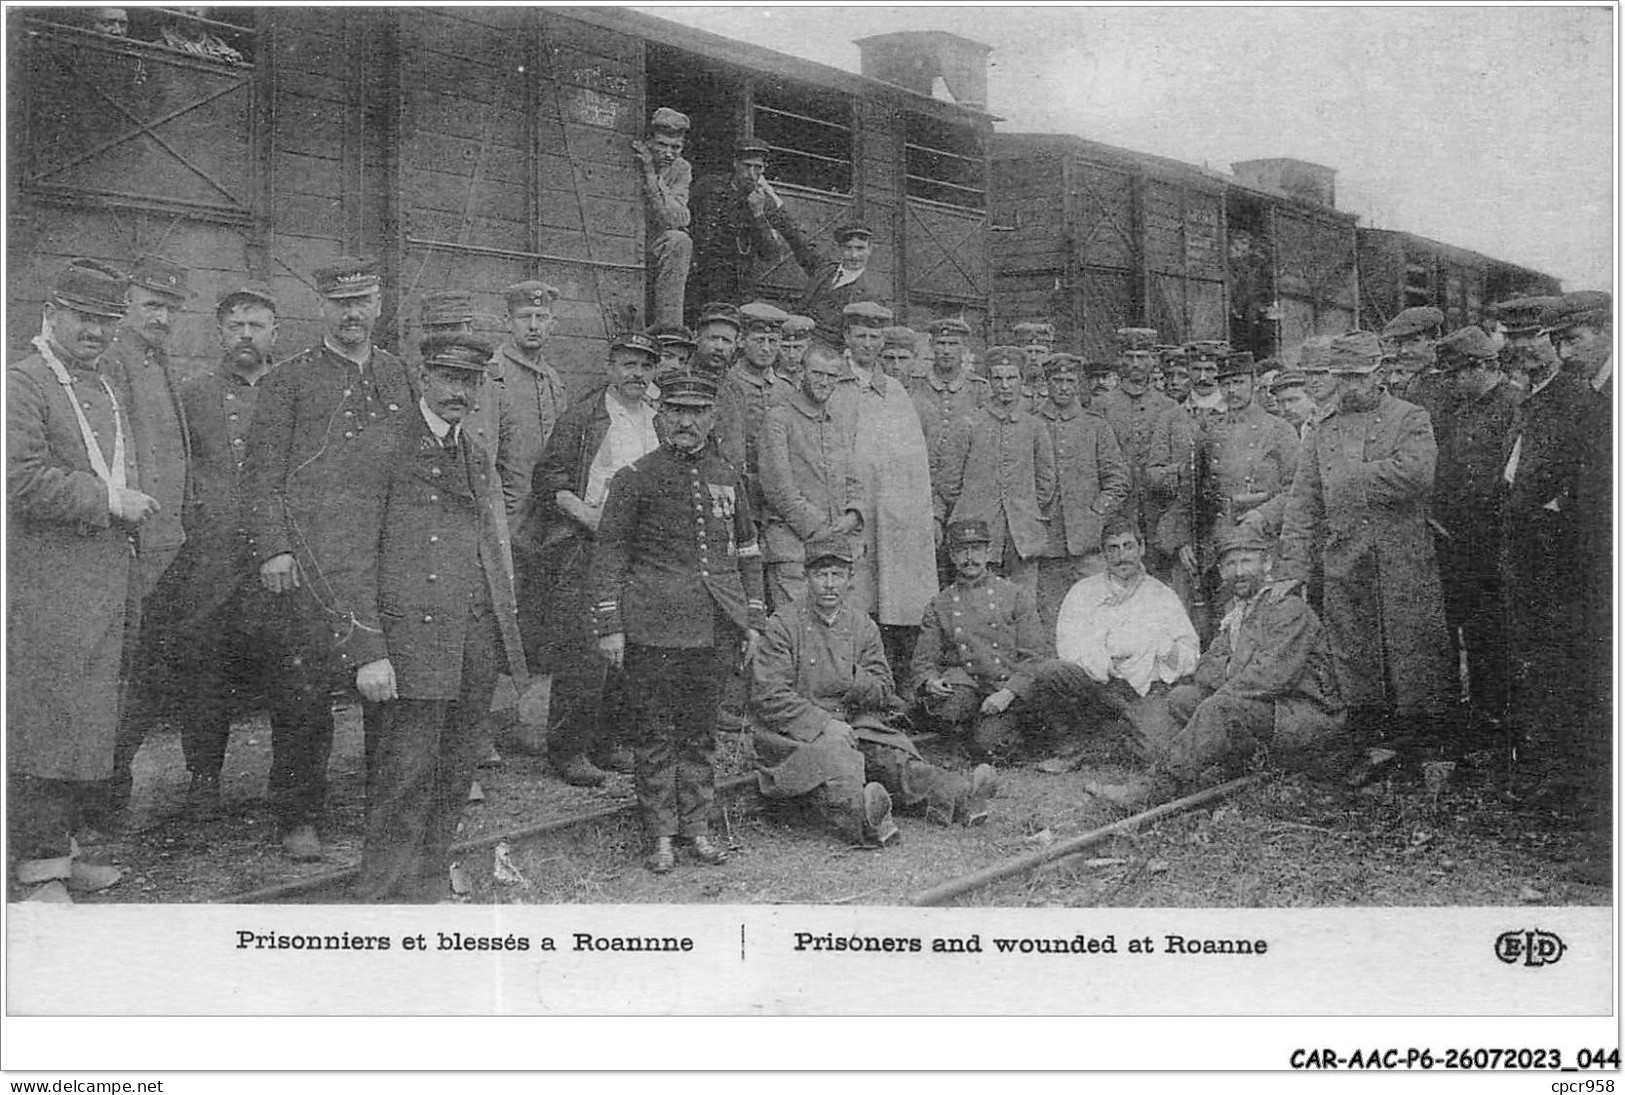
(1359, 504)
(74, 501)
(224, 632)
(949, 394)
(667, 177)
(824, 709)
(979, 638)
(1527, 350)
(313, 458)
(1468, 493)
(139, 359)
(1092, 482)
(427, 585)
(677, 576)
(1251, 458)
(606, 430)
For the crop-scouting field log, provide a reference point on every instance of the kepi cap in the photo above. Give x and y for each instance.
(1521, 315)
(798, 326)
(949, 325)
(717, 312)
(256, 291)
(760, 316)
(456, 351)
(92, 287)
(1414, 321)
(687, 390)
(638, 342)
(348, 277)
(530, 294)
(160, 275)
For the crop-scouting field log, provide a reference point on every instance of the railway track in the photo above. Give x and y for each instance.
(943, 893)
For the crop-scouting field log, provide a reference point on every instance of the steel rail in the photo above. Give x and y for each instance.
(937, 895)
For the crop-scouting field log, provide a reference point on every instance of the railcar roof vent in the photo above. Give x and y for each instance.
(1310, 182)
(930, 62)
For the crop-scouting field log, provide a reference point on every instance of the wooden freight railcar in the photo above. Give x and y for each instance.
(1399, 270)
(465, 147)
(1095, 237)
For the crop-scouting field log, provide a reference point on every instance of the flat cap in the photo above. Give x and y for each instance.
(1586, 306)
(717, 312)
(852, 230)
(444, 307)
(92, 287)
(1240, 538)
(1288, 378)
(1171, 355)
(949, 325)
(1237, 364)
(348, 277)
(967, 532)
(253, 291)
(1464, 346)
(799, 326)
(687, 390)
(1521, 315)
(1315, 355)
(1414, 321)
(1355, 353)
(866, 313)
(672, 334)
(1214, 350)
(759, 315)
(674, 121)
(1034, 332)
(750, 150)
(160, 275)
(638, 342)
(530, 294)
(828, 547)
(1137, 338)
(1063, 365)
(456, 351)
(1005, 355)
(899, 337)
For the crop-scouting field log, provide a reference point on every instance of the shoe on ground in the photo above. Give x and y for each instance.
(877, 820)
(578, 771)
(618, 759)
(302, 844)
(708, 853)
(663, 858)
(476, 793)
(984, 784)
(52, 893)
(91, 877)
(203, 796)
(33, 872)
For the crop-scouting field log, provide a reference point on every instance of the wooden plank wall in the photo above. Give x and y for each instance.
(1029, 243)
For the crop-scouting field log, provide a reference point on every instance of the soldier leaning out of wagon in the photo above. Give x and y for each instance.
(823, 706)
(1266, 682)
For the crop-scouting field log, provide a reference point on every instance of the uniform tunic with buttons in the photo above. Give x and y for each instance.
(676, 547)
(1000, 468)
(1092, 478)
(743, 400)
(314, 463)
(984, 634)
(1150, 427)
(70, 569)
(1359, 504)
(943, 403)
(808, 477)
(1249, 451)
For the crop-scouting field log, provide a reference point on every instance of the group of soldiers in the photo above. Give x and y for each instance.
(818, 527)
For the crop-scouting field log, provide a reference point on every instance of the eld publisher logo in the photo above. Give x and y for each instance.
(1532, 947)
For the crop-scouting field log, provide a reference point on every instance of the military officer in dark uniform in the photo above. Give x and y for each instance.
(824, 712)
(677, 575)
(1468, 492)
(738, 221)
(427, 586)
(313, 455)
(979, 636)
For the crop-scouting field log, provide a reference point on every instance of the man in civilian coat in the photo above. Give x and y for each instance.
(833, 284)
(313, 455)
(1359, 504)
(1092, 482)
(75, 505)
(677, 580)
(1000, 468)
(427, 586)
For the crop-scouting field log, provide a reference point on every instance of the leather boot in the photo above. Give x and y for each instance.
(578, 771)
(32, 872)
(302, 844)
(91, 877)
(707, 852)
(662, 859)
(878, 825)
(973, 809)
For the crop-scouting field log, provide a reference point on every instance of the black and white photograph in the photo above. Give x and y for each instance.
(660, 488)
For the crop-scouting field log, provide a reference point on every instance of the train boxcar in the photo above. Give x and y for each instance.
(1399, 270)
(467, 147)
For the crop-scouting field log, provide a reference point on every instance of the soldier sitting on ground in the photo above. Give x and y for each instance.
(824, 709)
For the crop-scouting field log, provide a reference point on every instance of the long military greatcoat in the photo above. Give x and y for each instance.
(808, 478)
(1092, 478)
(1000, 468)
(158, 427)
(1359, 504)
(69, 568)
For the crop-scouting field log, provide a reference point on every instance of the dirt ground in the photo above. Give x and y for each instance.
(1484, 838)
